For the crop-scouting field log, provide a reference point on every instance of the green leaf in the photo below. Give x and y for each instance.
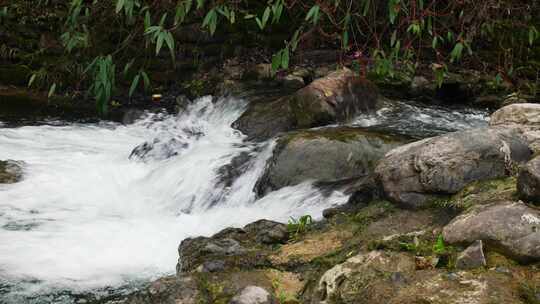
(266, 16)
(160, 40)
(146, 80)
(31, 81)
(52, 90)
(294, 41)
(134, 84)
(170, 43)
(285, 58)
(200, 4)
(393, 38)
(276, 61)
(313, 14)
(456, 52)
(345, 40)
(119, 5)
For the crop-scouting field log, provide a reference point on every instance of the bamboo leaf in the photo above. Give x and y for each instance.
(134, 84)
(31, 81)
(52, 90)
(119, 5)
(146, 80)
(285, 58)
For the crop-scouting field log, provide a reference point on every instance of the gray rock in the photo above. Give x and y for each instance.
(528, 184)
(414, 174)
(512, 228)
(346, 282)
(524, 117)
(252, 295)
(472, 257)
(519, 113)
(268, 232)
(324, 155)
(10, 171)
(335, 98)
(293, 82)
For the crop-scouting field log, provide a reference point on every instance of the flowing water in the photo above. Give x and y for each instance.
(89, 219)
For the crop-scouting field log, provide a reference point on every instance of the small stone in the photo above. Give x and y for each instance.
(528, 184)
(472, 257)
(252, 295)
(502, 269)
(423, 263)
(398, 278)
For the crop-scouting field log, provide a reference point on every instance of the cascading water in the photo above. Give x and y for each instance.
(90, 216)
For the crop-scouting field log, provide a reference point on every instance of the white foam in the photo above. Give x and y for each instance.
(95, 218)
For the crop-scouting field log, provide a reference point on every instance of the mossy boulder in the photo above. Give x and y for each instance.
(324, 155)
(231, 248)
(337, 97)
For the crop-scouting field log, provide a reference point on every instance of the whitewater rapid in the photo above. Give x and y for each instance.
(86, 216)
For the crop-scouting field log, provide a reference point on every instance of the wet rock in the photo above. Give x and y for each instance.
(231, 248)
(472, 257)
(268, 232)
(334, 98)
(512, 228)
(10, 171)
(229, 173)
(168, 290)
(362, 191)
(414, 174)
(157, 149)
(528, 184)
(524, 117)
(252, 295)
(349, 281)
(324, 155)
(293, 82)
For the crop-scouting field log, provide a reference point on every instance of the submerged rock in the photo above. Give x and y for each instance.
(472, 257)
(416, 173)
(334, 98)
(509, 227)
(528, 184)
(324, 155)
(10, 171)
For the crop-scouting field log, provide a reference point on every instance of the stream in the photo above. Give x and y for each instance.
(90, 222)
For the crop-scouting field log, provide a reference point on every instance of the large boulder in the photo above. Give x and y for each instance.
(509, 227)
(335, 98)
(324, 155)
(238, 248)
(10, 171)
(414, 174)
(528, 184)
(524, 117)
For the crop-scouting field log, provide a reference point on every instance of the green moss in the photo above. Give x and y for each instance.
(480, 192)
(529, 293)
(210, 292)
